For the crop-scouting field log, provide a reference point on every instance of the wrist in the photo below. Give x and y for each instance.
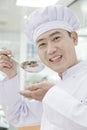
(11, 75)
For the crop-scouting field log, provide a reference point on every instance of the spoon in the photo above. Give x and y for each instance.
(29, 66)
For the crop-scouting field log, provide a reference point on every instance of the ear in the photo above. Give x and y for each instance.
(74, 37)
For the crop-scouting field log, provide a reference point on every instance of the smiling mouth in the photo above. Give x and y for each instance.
(56, 59)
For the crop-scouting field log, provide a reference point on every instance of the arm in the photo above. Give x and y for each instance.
(18, 110)
(63, 103)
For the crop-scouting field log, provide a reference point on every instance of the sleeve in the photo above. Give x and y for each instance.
(19, 111)
(61, 102)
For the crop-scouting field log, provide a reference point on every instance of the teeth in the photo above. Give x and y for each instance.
(55, 58)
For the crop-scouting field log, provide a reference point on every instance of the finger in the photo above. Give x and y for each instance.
(5, 58)
(4, 66)
(26, 93)
(38, 94)
(5, 61)
(5, 52)
(33, 87)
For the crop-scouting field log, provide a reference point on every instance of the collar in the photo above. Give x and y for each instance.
(72, 71)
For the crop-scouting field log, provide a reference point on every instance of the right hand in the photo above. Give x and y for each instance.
(7, 65)
(37, 91)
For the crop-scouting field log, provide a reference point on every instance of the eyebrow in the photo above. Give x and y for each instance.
(39, 40)
(52, 34)
(56, 32)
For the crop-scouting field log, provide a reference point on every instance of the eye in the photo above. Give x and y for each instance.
(56, 38)
(41, 44)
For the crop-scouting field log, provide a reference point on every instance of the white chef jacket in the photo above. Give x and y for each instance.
(64, 106)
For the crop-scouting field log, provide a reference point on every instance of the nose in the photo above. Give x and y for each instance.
(51, 49)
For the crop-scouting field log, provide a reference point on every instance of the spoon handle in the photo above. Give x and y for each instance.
(12, 57)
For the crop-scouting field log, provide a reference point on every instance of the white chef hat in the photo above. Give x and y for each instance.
(48, 18)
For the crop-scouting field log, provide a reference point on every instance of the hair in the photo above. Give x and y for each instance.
(69, 33)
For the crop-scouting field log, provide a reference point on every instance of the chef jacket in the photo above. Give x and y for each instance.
(64, 107)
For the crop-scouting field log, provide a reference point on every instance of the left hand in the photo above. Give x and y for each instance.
(37, 91)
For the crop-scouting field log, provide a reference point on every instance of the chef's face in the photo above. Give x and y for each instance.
(56, 49)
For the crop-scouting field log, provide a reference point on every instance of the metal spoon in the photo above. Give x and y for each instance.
(29, 66)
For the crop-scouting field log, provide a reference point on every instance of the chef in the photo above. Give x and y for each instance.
(60, 106)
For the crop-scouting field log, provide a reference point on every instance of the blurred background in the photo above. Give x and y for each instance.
(13, 16)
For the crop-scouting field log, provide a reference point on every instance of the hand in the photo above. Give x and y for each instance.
(7, 65)
(37, 91)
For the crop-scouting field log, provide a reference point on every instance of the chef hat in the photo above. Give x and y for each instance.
(48, 18)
